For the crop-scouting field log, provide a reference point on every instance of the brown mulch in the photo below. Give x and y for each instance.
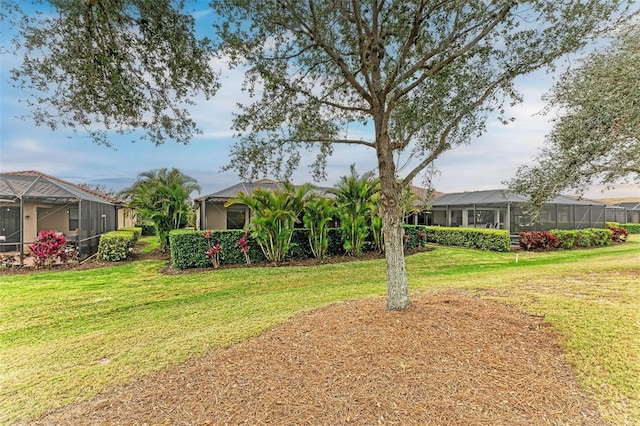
(448, 360)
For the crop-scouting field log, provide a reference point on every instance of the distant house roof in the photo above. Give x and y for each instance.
(246, 188)
(634, 205)
(32, 184)
(499, 196)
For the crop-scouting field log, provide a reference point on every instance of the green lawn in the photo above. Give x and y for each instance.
(66, 336)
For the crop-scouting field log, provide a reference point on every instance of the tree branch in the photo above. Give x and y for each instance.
(447, 61)
(442, 143)
(336, 141)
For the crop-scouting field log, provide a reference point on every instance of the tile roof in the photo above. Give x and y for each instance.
(247, 188)
(34, 184)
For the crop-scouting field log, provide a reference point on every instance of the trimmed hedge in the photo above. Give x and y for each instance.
(477, 238)
(115, 245)
(137, 232)
(566, 239)
(188, 247)
(632, 228)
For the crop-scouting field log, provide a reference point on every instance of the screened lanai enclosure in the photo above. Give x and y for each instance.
(503, 210)
(31, 202)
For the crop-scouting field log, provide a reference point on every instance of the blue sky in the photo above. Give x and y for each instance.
(484, 164)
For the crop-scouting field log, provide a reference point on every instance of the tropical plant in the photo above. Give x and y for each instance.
(162, 196)
(243, 244)
(274, 215)
(318, 213)
(48, 248)
(356, 198)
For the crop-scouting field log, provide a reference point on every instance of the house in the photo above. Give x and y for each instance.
(211, 212)
(505, 210)
(31, 201)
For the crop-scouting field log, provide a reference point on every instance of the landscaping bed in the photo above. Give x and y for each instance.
(449, 359)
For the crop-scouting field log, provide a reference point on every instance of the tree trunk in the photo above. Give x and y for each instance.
(392, 230)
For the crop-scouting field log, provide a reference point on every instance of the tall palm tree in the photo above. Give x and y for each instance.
(162, 196)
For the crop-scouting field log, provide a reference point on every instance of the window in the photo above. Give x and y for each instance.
(236, 217)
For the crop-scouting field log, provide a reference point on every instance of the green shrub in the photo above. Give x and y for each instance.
(600, 236)
(189, 248)
(300, 247)
(584, 238)
(335, 246)
(148, 229)
(137, 233)
(566, 238)
(115, 245)
(632, 228)
(478, 238)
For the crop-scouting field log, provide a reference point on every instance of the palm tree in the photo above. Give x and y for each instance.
(355, 198)
(318, 212)
(162, 196)
(274, 214)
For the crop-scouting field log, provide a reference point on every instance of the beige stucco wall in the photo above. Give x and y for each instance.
(38, 217)
(53, 218)
(216, 216)
(126, 218)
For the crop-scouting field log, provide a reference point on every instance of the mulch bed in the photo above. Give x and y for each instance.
(448, 360)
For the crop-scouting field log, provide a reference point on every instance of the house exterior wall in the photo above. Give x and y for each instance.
(30, 225)
(216, 216)
(54, 218)
(126, 218)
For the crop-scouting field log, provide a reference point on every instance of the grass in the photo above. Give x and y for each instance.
(149, 243)
(66, 336)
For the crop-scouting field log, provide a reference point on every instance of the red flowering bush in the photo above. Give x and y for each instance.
(243, 243)
(50, 246)
(538, 240)
(213, 254)
(619, 234)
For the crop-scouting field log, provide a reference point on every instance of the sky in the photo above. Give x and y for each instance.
(485, 163)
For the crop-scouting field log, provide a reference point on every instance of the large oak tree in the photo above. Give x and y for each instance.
(424, 75)
(596, 135)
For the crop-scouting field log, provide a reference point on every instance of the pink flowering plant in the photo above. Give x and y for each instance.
(213, 254)
(243, 244)
(50, 246)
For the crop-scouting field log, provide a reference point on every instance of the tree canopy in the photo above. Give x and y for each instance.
(596, 134)
(112, 65)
